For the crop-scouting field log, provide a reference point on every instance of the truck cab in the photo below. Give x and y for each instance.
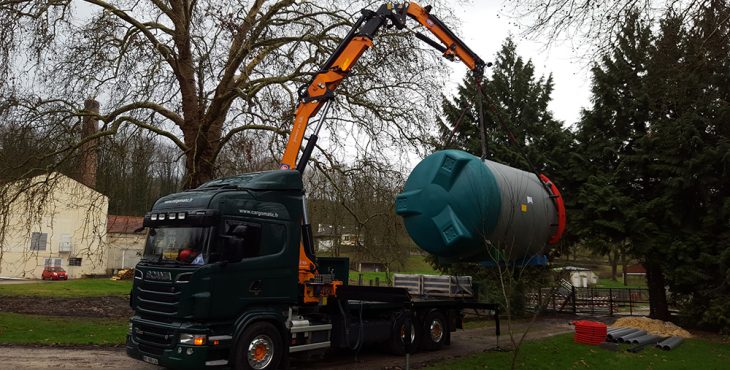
(213, 253)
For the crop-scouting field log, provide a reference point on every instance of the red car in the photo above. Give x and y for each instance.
(54, 273)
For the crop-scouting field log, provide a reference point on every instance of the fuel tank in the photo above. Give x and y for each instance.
(460, 208)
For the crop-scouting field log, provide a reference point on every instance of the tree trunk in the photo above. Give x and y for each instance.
(200, 157)
(613, 256)
(659, 309)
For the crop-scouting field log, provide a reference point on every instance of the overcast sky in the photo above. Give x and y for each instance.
(486, 24)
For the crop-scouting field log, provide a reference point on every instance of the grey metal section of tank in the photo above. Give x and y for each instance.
(670, 343)
(614, 335)
(645, 339)
(527, 217)
(628, 337)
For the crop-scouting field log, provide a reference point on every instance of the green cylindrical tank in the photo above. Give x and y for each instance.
(458, 207)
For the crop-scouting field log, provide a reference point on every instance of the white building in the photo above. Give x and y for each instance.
(53, 220)
(579, 277)
(125, 237)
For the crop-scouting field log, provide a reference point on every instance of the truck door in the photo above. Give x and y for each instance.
(257, 268)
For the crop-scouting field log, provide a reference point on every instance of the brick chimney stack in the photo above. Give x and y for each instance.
(88, 149)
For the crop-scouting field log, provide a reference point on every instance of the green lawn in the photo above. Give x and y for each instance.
(70, 288)
(608, 283)
(560, 352)
(418, 265)
(367, 276)
(47, 330)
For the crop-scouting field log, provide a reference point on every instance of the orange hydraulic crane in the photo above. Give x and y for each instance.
(321, 89)
(319, 93)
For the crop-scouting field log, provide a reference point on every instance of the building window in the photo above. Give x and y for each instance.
(38, 241)
(74, 261)
(65, 244)
(52, 262)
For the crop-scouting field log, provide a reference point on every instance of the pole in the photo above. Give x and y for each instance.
(610, 302)
(631, 303)
(574, 299)
(89, 127)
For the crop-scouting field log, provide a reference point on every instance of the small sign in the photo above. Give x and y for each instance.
(523, 208)
(151, 360)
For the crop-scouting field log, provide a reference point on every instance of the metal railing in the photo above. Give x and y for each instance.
(594, 301)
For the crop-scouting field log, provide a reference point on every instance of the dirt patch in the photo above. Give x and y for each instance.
(20, 357)
(109, 307)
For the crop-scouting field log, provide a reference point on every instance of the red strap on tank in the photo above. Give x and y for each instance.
(559, 206)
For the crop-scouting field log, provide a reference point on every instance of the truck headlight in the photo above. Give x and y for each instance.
(194, 339)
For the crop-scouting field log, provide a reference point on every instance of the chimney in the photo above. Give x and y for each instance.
(88, 149)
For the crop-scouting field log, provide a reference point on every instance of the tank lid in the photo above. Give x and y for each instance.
(449, 204)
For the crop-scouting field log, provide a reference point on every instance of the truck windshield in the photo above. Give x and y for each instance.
(180, 244)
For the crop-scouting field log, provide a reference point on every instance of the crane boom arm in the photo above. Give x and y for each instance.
(360, 38)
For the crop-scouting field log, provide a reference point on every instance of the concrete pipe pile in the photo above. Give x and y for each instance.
(455, 206)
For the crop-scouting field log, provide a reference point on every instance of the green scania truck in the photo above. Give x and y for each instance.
(229, 280)
(218, 285)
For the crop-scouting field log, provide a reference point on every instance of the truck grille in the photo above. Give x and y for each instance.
(157, 297)
(153, 340)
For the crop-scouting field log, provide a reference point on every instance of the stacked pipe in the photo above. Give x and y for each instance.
(626, 338)
(590, 332)
(670, 343)
(614, 334)
(642, 338)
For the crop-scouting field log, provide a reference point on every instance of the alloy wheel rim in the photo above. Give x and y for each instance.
(260, 351)
(437, 331)
(403, 333)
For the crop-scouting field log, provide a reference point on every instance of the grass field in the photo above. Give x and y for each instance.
(560, 352)
(70, 288)
(608, 283)
(47, 330)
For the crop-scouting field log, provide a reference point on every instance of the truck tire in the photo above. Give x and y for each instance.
(397, 342)
(435, 331)
(259, 347)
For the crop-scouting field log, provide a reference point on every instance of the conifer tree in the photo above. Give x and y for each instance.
(515, 102)
(607, 136)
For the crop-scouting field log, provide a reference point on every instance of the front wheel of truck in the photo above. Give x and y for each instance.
(260, 347)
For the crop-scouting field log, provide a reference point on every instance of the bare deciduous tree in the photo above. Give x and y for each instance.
(200, 72)
(593, 22)
(358, 199)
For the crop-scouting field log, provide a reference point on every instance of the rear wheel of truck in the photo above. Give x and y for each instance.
(259, 348)
(435, 331)
(399, 339)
